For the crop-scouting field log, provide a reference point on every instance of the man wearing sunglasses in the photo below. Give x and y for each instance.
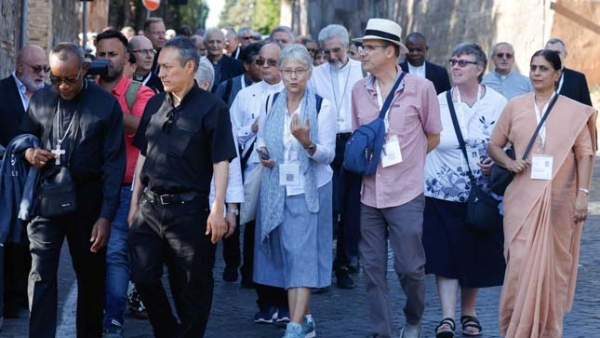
(17, 90)
(503, 78)
(81, 126)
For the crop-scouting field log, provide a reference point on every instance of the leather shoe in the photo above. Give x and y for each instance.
(343, 280)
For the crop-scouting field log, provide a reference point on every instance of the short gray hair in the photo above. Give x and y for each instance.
(298, 53)
(557, 40)
(205, 72)
(467, 48)
(285, 29)
(495, 47)
(187, 50)
(244, 30)
(212, 31)
(334, 31)
(62, 50)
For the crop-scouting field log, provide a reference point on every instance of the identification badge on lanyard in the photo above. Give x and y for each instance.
(391, 154)
(289, 174)
(474, 158)
(541, 167)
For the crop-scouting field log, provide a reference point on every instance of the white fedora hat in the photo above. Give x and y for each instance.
(383, 29)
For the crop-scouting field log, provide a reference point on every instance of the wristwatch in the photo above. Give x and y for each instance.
(234, 211)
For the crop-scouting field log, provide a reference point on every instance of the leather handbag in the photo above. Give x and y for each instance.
(363, 149)
(501, 177)
(482, 208)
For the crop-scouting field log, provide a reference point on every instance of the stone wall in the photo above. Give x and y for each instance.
(10, 12)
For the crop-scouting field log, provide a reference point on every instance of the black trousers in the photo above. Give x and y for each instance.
(17, 264)
(231, 249)
(173, 234)
(46, 237)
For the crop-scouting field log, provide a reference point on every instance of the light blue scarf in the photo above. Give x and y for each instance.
(272, 195)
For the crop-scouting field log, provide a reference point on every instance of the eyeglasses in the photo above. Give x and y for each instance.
(68, 80)
(38, 68)
(247, 37)
(333, 50)
(297, 72)
(144, 51)
(270, 62)
(461, 63)
(504, 55)
(168, 125)
(369, 48)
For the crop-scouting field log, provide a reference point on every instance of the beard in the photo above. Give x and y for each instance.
(32, 85)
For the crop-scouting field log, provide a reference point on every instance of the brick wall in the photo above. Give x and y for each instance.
(10, 12)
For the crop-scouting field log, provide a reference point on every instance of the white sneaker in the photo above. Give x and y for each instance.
(411, 331)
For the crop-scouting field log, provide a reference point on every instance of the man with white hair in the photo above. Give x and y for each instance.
(225, 66)
(572, 83)
(334, 81)
(283, 35)
(503, 78)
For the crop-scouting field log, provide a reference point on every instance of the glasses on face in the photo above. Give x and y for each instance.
(369, 48)
(38, 68)
(333, 50)
(270, 62)
(144, 51)
(247, 37)
(297, 72)
(504, 55)
(168, 125)
(461, 63)
(55, 80)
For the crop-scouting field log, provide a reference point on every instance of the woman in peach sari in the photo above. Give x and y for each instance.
(546, 203)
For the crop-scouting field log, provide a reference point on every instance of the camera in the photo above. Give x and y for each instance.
(98, 67)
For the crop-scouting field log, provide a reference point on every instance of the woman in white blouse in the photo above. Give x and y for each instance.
(461, 257)
(296, 144)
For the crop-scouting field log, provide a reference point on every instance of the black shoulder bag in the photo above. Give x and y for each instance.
(57, 195)
(501, 177)
(482, 208)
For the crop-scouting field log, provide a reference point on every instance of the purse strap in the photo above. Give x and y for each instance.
(539, 126)
(459, 135)
(390, 96)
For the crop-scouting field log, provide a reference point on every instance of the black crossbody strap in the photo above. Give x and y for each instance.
(459, 135)
(390, 96)
(539, 126)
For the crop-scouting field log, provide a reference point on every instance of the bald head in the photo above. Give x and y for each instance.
(31, 68)
(141, 47)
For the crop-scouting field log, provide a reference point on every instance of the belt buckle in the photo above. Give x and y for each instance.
(162, 199)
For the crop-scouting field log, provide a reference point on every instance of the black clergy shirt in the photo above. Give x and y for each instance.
(182, 143)
(100, 144)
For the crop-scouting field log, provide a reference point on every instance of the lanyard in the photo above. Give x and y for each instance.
(460, 107)
(538, 117)
(335, 89)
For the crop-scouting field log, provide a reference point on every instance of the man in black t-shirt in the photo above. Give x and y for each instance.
(183, 140)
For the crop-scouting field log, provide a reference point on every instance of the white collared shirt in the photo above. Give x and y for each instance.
(22, 91)
(419, 71)
(321, 82)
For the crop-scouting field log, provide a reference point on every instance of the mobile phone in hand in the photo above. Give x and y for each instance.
(263, 155)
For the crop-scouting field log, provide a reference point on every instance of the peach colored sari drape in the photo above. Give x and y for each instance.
(541, 240)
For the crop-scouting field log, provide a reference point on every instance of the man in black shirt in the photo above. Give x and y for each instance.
(184, 138)
(97, 165)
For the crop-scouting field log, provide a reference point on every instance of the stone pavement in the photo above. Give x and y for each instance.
(343, 313)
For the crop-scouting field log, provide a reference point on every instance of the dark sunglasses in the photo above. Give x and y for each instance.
(270, 62)
(38, 68)
(461, 63)
(168, 125)
(247, 38)
(503, 55)
(55, 80)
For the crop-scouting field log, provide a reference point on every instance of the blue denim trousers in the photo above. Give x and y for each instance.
(117, 262)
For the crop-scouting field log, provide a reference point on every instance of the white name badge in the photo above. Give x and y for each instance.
(391, 154)
(473, 154)
(289, 174)
(541, 167)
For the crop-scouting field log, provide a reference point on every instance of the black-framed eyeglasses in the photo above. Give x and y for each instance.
(144, 51)
(270, 62)
(461, 63)
(55, 80)
(333, 50)
(168, 125)
(37, 68)
(503, 55)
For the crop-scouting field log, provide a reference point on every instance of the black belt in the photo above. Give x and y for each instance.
(343, 136)
(166, 199)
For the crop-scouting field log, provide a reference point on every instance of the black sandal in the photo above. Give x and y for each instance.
(471, 321)
(445, 333)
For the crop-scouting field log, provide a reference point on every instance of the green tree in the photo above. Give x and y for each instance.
(266, 15)
(193, 14)
(238, 13)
